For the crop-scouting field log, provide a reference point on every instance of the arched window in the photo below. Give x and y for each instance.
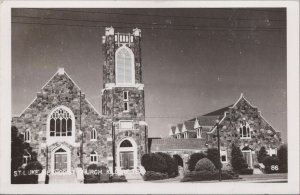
(27, 136)
(245, 131)
(124, 66)
(93, 135)
(93, 157)
(60, 123)
(126, 143)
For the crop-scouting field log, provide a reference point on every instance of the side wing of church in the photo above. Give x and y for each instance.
(241, 124)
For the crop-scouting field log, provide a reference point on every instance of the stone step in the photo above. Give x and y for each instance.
(133, 176)
(62, 179)
(257, 171)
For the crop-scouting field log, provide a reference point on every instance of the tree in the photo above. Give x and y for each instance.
(172, 167)
(237, 160)
(195, 157)
(262, 154)
(282, 155)
(213, 156)
(178, 159)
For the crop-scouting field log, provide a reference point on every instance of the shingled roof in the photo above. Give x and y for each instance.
(189, 125)
(167, 144)
(218, 112)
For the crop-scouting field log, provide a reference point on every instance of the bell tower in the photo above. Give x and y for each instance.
(123, 97)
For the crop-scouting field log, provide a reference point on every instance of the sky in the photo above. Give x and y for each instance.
(194, 60)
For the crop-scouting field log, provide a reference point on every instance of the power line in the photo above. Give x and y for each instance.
(156, 15)
(135, 23)
(155, 28)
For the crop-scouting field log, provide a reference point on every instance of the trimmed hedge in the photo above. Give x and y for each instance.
(213, 156)
(151, 175)
(245, 171)
(100, 175)
(205, 165)
(195, 157)
(118, 178)
(172, 167)
(208, 175)
(271, 164)
(154, 162)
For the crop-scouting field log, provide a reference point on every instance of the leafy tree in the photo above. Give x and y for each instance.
(171, 164)
(195, 157)
(282, 155)
(262, 154)
(237, 160)
(213, 156)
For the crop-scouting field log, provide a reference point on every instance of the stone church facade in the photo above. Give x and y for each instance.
(241, 124)
(66, 131)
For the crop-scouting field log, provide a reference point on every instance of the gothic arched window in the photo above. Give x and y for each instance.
(245, 131)
(126, 143)
(124, 66)
(60, 123)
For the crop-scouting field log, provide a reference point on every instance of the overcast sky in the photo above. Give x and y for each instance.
(194, 60)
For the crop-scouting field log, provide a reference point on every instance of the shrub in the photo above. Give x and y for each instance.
(172, 167)
(151, 175)
(154, 162)
(90, 177)
(246, 171)
(118, 178)
(271, 164)
(195, 157)
(208, 175)
(282, 158)
(32, 166)
(213, 156)
(205, 165)
(178, 160)
(262, 154)
(237, 160)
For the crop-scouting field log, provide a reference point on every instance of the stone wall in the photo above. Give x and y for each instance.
(61, 90)
(262, 133)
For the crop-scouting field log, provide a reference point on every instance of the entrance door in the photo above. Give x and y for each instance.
(61, 163)
(126, 160)
(248, 157)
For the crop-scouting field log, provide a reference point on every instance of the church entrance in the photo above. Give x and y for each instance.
(126, 160)
(61, 161)
(127, 155)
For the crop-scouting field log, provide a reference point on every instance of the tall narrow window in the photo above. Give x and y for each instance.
(93, 135)
(27, 136)
(126, 109)
(94, 157)
(125, 95)
(124, 66)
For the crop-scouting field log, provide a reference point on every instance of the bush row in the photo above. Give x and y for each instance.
(212, 155)
(208, 175)
(151, 175)
(103, 177)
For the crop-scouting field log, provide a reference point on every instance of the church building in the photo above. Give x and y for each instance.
(64, 129)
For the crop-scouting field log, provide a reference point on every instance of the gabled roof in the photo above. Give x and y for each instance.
(172, 130)
(189, 125)
(60, 72)
(205, 120)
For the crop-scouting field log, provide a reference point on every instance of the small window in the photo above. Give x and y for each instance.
(125, 95)
(245, 131)
(94, 157)
(116, 38)
(126, 109)
(93, 135)
(131, 39)
(223, 154)
(126, 125)
(26, 158)
(199, 133)
(27, 135)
